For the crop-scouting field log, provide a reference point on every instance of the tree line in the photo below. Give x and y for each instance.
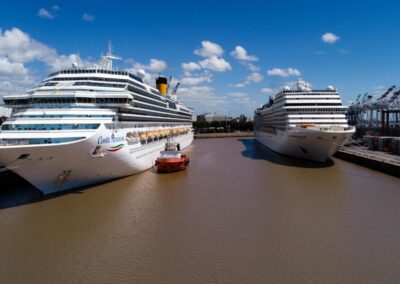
(222, 126)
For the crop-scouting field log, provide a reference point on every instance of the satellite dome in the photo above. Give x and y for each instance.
(141, 73)
(286, 88)
(330, 88)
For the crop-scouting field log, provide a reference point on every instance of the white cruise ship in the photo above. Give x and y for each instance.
(82, 126)
(305, 123)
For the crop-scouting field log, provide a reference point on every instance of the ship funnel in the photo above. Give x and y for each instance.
(162, 85)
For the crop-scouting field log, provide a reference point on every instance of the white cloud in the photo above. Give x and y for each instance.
(329, 38)
(251, 67)
(190, 66)
(195, 80)
(201, 98)
(268, 91)
(247, 105)
(293, 85)
(204, 99)
(343, 51)
(209, 49)
(55, 8)
(6, 67)
(237, 95)
(241, 54)
(281, 72)
(215, 63)
(239, 85)
(196, 91)
(15, 84)
(88, 17)
(66, 61)
(255, 77)
(43, 13)
(18, 48)
(155, 65)
(14, 77)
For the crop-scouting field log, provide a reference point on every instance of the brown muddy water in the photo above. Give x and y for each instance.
(238, 214)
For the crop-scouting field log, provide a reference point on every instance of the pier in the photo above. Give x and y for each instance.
(383, 162)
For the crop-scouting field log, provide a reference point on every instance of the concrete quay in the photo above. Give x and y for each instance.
(380, 161)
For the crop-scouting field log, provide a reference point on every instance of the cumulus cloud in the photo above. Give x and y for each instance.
(268, 91)
(43, 13)
(329, 38)
(190, 66)
(201, 98)
(14, 77)
(7, 67)
(15, 83)
(240, 54)
(204, 98)
(18, 48)
(209, 49)
(88, 17)
(247, 105)
(281, 72)
(215, 63)
(150, 70)
(155, 65)
(66, 61)
(199, 72)
(195, 80)
(255, 77)
(239, 85)
(237, 95)
(251, 67)
(196, 92)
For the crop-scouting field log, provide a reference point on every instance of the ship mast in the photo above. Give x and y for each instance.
(108, 58)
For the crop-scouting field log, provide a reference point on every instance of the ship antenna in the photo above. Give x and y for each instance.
(108, 58)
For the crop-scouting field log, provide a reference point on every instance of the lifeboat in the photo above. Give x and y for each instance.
(306, 125)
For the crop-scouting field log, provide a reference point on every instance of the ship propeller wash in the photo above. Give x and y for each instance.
(82, 126)
(305, 123)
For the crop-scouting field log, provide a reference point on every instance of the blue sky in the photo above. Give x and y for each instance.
(276, 43)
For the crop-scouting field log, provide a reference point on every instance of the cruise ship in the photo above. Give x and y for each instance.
(304, 123)
(83, 126)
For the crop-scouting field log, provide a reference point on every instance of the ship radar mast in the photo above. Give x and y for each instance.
(108, 58)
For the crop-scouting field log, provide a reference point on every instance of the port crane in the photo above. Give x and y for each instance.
(381, 115)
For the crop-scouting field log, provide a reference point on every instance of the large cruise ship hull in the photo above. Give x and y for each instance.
(59, 167)
(316, 145)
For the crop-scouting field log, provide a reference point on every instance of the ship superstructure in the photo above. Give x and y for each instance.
(304, 123)
(87, 125)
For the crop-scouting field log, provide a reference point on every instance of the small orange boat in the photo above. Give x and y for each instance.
(171, 161)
